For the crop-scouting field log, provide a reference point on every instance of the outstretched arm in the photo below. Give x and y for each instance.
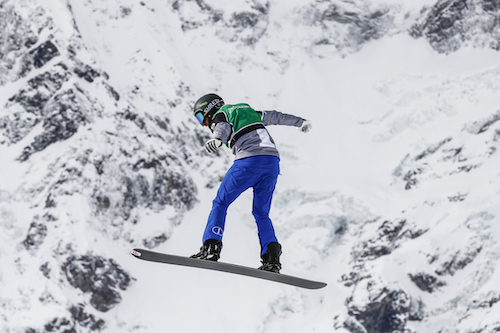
(279, 118)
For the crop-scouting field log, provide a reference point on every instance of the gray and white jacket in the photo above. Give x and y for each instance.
(257, 142)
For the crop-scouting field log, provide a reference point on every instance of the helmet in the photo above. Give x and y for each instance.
(207, 106)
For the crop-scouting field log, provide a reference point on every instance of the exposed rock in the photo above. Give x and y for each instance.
(33, 100)
(347, 25)
(45, 268)
(78, 320)
(60, 325)
(64, 117)
(459, 260)
(36, 235)
(432, 149)
(206, 14)
(387, 313)
(449, 24)
(457, 198)
(165, 186)
(246, 26)
(389, 235)
(249, 26)
(86, 72)
(452, 155)
(44, 53)
(20, 32)
(411, 177)
(86, 320)
(426, 282)
(490, 302)
(41, 88)
(482, 125)
(102, 278)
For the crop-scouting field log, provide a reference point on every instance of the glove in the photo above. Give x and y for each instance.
(212, 145)
(306, 126)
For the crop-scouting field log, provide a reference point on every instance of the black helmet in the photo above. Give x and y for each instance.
(207, 106)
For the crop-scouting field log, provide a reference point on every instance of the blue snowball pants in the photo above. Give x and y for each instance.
(259, 172)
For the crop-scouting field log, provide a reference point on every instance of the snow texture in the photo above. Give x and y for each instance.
(392, 199)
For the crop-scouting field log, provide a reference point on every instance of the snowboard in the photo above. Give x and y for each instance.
(226, 267)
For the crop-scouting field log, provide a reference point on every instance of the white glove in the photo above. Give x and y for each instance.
(212, 145)
(306, 126)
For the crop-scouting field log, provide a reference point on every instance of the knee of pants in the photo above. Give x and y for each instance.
(220, 203)
(260, 214)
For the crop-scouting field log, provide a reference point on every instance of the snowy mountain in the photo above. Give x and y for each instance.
(393, 199)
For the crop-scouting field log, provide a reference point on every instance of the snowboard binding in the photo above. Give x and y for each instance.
(209, 251)
(271, 259)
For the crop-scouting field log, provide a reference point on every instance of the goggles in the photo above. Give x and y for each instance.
(200, 117)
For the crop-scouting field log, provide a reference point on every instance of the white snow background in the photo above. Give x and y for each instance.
(373, 110)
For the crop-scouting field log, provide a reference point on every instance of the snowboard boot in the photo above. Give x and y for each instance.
(271, 259)
(209, 251)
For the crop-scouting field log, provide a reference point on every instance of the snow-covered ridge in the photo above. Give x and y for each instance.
(451, 24)
(392, 198)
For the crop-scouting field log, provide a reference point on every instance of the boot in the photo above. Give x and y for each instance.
(209, 251)
(271, 259)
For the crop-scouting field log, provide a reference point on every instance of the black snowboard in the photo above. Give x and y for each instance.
(225, 267)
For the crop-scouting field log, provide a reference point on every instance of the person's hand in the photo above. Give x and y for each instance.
(212, 145)
(306, 126)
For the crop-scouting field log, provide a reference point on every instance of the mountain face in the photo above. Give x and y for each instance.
(464, 251)
(394, 200)
(74, 138)
(450, 24)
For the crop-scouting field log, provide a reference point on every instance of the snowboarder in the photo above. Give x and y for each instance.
(256, 165)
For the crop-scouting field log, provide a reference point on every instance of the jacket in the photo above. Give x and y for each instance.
(243, 129)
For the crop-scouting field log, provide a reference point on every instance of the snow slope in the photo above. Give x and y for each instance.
(392, 199)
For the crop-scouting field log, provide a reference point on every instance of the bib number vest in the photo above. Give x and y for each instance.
(243, 120)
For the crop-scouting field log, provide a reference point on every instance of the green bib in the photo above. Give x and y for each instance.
(242, 118)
